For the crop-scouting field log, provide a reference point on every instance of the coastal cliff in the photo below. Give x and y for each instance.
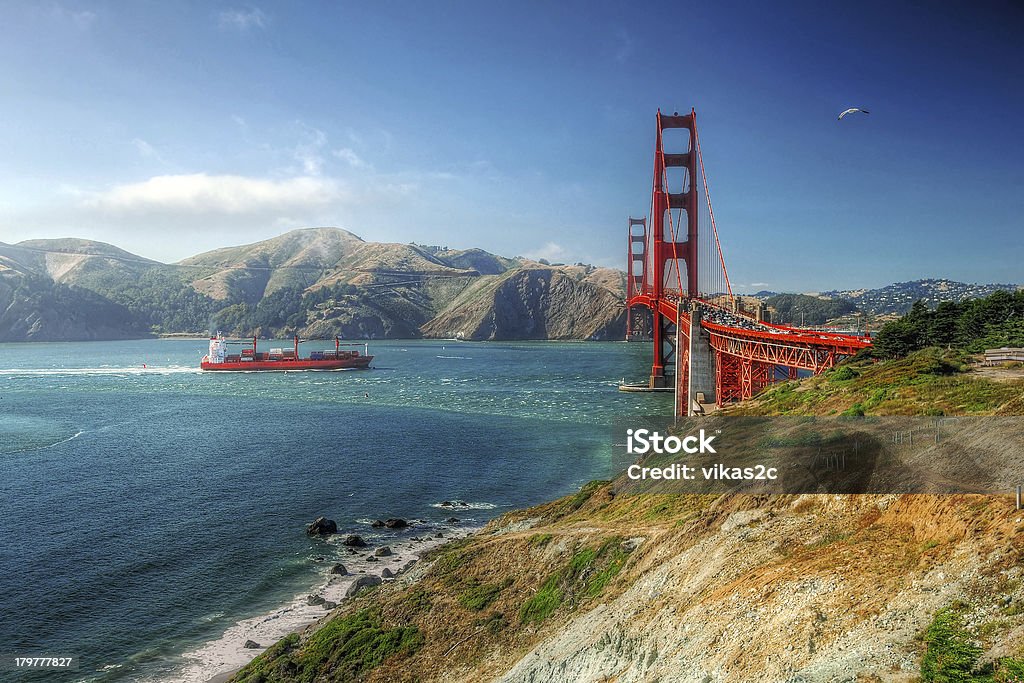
(609, 586)
(684, 588)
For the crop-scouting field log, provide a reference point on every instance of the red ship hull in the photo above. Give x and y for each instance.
(357, 362)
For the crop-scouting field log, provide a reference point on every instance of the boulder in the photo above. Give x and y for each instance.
(377, 523)
(252, 645)
(383, 551)
(387, 574)
(371, 558)
(315, 600)
(322, 526)
(339, 568)
(354, 541)
(329, 604)
(395, 523)
(361, 583)
(452, 520)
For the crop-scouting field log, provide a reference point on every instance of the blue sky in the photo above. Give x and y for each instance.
(523, 128)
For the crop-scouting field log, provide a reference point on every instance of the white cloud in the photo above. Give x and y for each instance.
(348, 155)
(309, 150)
(243, 20)
(551, 251)
(200, 193)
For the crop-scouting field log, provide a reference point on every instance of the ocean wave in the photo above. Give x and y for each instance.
(105, 370)
(455, 357)
(43, 447)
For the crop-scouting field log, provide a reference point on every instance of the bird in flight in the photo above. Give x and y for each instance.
(853, 110)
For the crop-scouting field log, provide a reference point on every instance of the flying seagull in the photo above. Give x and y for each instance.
(853, 110)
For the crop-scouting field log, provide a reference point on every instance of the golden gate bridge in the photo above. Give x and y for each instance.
(708, 345)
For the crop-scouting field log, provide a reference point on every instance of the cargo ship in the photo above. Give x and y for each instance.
(250, 359)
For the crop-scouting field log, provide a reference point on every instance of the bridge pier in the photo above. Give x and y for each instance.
(700, 378)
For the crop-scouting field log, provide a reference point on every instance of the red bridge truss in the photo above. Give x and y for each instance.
(708, 344)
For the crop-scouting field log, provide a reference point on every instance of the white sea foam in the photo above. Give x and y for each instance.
(462, 505)
(104, 370)
(43, 447)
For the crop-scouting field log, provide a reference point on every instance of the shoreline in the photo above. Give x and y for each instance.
(217, 660)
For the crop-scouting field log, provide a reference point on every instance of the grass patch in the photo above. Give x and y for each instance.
(342, 649)
(584, 577)
(494, 623)
(479, 596)
(544, 602)
(584, 494)
(951, 655)
(416, 601)
(539, 540)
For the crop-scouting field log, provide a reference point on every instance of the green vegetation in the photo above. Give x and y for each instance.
(539, 540)
(584, 494)
(479, 596)
(584, 577)
(801, 309)
(156, 297)
(287, 308)
(417, 601)
(973, 325)
(951, 654)
(494, 623)
(344, 649)
(927, 382)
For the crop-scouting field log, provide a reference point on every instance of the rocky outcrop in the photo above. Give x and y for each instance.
(322, 526)
(361, 583)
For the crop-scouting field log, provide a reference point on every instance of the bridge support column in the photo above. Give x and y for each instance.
(701, 378)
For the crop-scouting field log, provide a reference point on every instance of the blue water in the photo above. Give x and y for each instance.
(143, 510)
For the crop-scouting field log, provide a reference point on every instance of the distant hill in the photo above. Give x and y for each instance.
(316, 282)
(899, 297)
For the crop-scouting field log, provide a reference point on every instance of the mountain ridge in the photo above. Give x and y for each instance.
(311, 281)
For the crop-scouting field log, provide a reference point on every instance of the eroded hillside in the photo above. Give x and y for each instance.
(683, 588)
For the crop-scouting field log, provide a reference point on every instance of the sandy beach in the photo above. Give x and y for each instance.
(217, 660)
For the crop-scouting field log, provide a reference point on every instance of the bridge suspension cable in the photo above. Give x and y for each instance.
(711, 215)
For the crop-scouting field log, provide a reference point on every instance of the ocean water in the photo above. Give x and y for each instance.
(145, 507)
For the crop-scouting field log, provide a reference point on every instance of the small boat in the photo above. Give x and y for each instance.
(250, 359)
